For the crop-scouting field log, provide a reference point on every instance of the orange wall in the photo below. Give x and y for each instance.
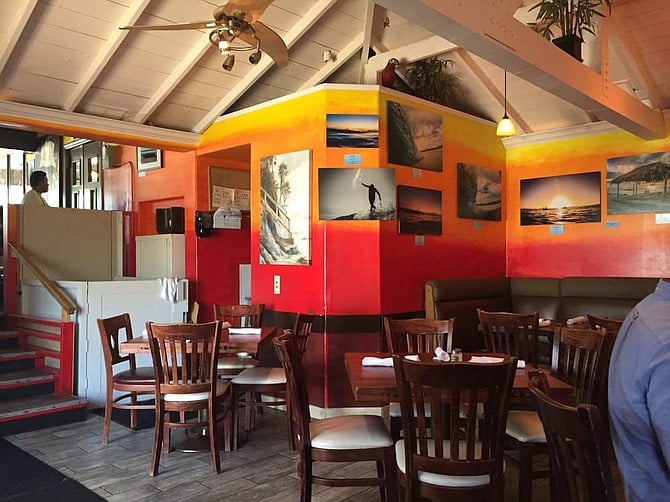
(638, 247)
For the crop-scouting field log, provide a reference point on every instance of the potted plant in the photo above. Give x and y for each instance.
(570, 18)
(430, 80)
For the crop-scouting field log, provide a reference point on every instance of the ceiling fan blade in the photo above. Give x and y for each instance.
(271, 43)
(252, 9)
(197, 25)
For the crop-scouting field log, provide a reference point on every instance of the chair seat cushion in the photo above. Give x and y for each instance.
(443, 479)
(394, 409)
(260, 375)
(235, 363)
(350, 432)
(525, 426)
(221, 388)
(143, 375)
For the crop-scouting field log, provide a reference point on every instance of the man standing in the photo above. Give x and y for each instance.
(639, 397)
(372, 195)
(40, 185)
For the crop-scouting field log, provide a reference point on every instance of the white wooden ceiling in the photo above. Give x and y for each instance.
(69, 56)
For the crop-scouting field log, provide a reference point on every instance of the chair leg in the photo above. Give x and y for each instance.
(213, 442)
(158, 441)
(108, 420)
(305, 480)
(381, 468)
(133, 411)
(396, 427)
(525, 477)
(391, 483)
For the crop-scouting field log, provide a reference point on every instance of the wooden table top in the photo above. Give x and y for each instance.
(230, 344)
(377, 383)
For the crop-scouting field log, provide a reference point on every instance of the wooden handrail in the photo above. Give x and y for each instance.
(68, 306)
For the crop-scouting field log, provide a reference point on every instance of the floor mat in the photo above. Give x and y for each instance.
(26, 478)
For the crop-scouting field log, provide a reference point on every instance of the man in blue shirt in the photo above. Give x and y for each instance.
(639, 398)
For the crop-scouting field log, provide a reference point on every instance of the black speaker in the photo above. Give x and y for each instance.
(204, 222)
(170, 220)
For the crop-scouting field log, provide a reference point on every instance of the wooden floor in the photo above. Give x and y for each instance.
(262, 469)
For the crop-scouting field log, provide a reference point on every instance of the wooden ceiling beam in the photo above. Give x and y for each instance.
(481, 28)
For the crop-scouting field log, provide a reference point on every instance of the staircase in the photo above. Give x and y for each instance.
(36, 362)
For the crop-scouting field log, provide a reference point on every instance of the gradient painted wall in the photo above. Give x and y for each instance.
(627, 245)
(366, 267)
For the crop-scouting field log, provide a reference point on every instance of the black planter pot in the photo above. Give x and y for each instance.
(571, 44)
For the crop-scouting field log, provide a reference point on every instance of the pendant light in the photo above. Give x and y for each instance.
(505, 126)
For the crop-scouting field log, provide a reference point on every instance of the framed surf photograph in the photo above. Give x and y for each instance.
(419, 211)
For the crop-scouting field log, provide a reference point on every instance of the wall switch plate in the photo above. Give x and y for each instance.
(277, 285)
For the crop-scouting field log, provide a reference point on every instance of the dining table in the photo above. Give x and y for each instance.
(377, 384)
(234, 341)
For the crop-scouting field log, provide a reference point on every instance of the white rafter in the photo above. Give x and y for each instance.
(187, 63)
(351, 49)
(96, 66)
(291, 37)
(14, 30)
(417, 51)
(491, 87)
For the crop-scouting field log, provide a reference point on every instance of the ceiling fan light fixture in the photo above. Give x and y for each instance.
(505, 126)
(228, 62)
(255, 57)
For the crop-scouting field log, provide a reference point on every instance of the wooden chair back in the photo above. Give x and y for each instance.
(240, 316)
(418, 335)
(510, 333)
(463, 436)
(576, 359)
(578, 452)
(302, 328)
(112, 329)
(290, 358)
(185, 356)
(611, 325)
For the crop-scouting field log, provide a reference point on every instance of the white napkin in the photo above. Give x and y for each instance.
(378, 361)
(576, 320)
(412, 357)
(244, 331)
(544, 322)
(486, 359)
(520, 364)
(442, 355)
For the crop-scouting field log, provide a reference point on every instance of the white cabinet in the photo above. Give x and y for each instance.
(159, 256)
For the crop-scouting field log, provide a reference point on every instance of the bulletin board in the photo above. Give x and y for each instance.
(229, 188)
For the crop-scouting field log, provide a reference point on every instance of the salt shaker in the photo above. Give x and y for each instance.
(456, 355)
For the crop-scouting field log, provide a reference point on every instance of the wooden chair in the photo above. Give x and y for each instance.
(250, 385)
(510, 333)
(454, 456)
(576, 360)
(184, 357)
(418, 335)
(611, 328)
(131, 382)
(578, 449)
(239, 316)
(351, 438)
(611, 325)
(414, 336)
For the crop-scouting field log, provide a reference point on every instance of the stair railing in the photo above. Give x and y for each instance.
(68, 307)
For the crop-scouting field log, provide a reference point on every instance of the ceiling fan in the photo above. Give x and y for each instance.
(235, 27)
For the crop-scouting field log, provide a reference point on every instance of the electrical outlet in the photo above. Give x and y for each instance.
(277, 284)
